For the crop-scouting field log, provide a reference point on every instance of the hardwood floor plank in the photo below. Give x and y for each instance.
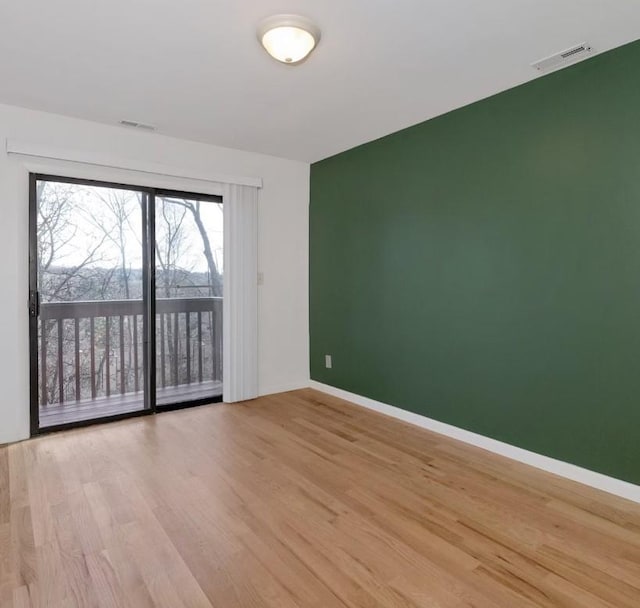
(300, 500)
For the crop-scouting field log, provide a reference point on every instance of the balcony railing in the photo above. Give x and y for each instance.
(93, 350)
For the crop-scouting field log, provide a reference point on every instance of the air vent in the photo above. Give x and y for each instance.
(564, 58)
(137, 125)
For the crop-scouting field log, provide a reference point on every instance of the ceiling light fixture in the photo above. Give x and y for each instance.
(288, 38)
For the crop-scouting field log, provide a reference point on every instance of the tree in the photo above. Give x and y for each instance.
(56, 234)
(215, 277)
(90, 248)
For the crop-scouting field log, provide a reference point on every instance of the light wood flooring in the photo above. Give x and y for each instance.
(300, 500)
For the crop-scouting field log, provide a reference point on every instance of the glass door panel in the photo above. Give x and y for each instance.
(188, 289)
(89, 306)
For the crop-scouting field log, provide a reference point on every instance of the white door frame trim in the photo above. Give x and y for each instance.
(86, 157)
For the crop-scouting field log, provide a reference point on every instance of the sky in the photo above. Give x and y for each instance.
(90, 223)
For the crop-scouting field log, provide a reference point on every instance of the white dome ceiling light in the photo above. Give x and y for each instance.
(288, 38)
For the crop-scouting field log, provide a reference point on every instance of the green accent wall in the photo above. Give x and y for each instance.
(483, 268)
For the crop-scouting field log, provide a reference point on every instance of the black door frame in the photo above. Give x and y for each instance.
(148, 295)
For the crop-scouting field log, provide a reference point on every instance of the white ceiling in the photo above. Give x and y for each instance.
(194, 67)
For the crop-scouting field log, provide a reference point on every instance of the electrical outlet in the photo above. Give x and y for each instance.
(327, 361)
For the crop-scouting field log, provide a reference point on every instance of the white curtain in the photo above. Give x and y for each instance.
(240, 305)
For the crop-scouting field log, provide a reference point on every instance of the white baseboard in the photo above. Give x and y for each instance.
(283, 388)
(551, 465)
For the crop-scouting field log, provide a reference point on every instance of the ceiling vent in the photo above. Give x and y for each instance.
(137, 125)
(564, 58)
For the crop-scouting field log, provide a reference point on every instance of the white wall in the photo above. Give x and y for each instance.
(283, 358)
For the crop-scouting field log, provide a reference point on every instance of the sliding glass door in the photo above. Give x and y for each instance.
(188, 290)
(125, 300)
